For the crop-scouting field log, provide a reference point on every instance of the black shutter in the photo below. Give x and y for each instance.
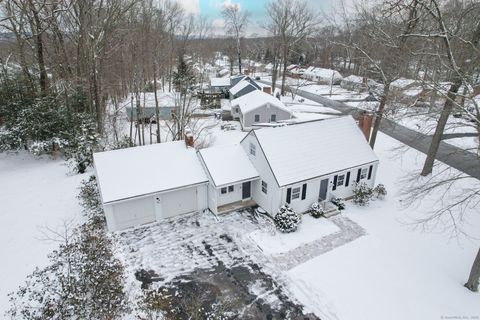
(358, 174)
(304, 191)
(347, 180)
(289, 194)
(335, 182)
(370, 172)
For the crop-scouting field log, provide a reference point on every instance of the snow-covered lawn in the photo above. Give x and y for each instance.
(35, 195)
(309, 230)
(395, 271)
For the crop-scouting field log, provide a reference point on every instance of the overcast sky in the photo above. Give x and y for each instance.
(256, 8)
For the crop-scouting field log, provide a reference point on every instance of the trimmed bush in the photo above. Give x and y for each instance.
(286, 220)
(316, 210)
(338, 202)
(362, 194)
(380, 191)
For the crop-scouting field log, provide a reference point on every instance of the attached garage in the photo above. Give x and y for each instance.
(145, 184)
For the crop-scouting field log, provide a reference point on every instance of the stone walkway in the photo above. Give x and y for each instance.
(349, 231)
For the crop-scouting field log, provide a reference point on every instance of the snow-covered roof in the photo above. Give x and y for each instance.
(137, 171)
(241, 85)
(228, 164)
(256, 99)
(354, 79)
(324, 73)
(304, 151)
(220, 82)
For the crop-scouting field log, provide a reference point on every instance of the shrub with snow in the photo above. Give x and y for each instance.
(380, 191)
(317, 210)
(286, 220)
(338, 202)
(362, 194)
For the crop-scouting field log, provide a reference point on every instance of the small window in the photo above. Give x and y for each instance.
(363, 174)
(237, 110)
(295, 193)
(252, 149)
(273, 118)
(370, 169)
(340, 180)
(230, 189)
(257, 118)
(264, 187)
(223, 190)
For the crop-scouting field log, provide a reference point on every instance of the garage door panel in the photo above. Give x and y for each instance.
(179, 202)
(134, 212)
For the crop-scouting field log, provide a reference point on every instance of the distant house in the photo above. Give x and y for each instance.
(242, 87)
(147, 110)
(258, 107)
(322, 75)
(219, 84)
(298, 164)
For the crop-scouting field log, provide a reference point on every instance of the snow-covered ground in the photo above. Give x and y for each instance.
(395, 271)
(309, 230)
(36, 195)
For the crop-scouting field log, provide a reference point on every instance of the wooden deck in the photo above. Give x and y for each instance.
(229, 207)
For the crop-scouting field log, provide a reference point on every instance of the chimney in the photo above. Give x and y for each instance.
(189, 140)
(267, 90)
(365, 124)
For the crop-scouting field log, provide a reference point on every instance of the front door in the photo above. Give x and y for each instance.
(246, 190)
(323, 190)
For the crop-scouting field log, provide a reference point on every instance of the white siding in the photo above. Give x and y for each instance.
(313, 188)
(265, 112)
(229, 197)
(270, 201)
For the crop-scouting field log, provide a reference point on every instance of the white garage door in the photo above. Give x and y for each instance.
(134, 212)
(178, 202)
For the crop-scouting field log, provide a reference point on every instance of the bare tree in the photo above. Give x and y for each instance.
(236, 22)
(290, 22)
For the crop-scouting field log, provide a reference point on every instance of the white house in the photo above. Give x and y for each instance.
(304, 163)
(219, 84)
(257, 107)
(148, 183)
(322, 75)
(297, 164)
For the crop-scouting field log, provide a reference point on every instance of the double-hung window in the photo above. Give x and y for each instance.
(252, 149)
(295, 193)
(264, 187)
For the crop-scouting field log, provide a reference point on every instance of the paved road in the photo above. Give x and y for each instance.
(457, 158)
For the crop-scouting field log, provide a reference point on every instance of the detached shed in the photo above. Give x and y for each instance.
(258, 107)
(149, 183)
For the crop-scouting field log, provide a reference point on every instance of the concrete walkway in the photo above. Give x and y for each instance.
(455, 157)
(348, 232)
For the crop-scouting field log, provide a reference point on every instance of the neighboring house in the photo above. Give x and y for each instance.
(219, 84)
(258, 107)
(298, 164)
(242, 87)
(149, 183)
(146, 112)
(322, 75)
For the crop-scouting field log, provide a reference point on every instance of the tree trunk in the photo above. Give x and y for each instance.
(379, 115)
(131, 121)
(473, 279)
(284, 73)
(239, 55)
(37, 28)
(442, 122)
(157, 109)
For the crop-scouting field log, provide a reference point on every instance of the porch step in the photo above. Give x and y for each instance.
(331, 213)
